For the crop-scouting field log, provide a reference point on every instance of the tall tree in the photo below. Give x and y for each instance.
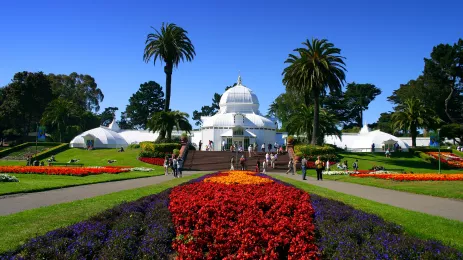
(124, 123)
(108, 115)
(385, 123)
(301, 123)
(24, 101)
(315, 67)
(148, 100)
(167, 121)
(170, 45)
(358, 97)
(81, 89)
(444, 70)
(413, 115)
(59, 114)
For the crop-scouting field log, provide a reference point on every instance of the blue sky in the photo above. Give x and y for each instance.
(384, 42)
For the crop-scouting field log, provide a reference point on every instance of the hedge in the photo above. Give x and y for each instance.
(150, 149)
(312, 150)
(52, 151)
(5, 152)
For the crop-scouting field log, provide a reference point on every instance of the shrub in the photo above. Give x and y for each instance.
(52, 151)
(133, 146)
(311, 152)
(150, 149)
(8, 178)
(176, 152)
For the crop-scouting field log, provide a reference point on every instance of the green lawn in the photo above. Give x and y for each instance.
(39, 182)
(405, 160)
(446, 189)
(422, 225)
(98, 157)
(15, 229)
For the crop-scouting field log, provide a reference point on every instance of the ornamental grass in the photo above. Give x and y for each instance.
(413, 177)
(53, 170)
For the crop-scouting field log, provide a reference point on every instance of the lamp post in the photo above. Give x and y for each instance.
(438, 140)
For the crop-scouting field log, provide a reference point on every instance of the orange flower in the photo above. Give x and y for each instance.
(238, 177)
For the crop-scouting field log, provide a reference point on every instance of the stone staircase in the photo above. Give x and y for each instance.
(217, 160)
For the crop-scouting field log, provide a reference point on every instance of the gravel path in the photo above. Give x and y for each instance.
(442, 207)
(10, 204)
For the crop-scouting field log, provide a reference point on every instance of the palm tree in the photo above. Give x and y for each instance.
(301, 122)
(170, 45)
(58, 113)
(411, 115)
(313, 69)
(167, 121)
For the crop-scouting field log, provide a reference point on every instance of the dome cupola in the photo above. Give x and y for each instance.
(239, 99)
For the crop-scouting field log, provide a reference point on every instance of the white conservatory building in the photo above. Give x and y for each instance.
(237, 122)
(362, 142)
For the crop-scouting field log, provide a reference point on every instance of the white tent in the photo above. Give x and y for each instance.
(101, 137)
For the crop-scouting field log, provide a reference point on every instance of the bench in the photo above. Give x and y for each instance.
(66, 164)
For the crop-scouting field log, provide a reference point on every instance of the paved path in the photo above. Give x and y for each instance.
(443, 207)
(10, 204)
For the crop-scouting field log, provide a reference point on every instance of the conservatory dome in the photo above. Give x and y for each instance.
(100, 137)
(239, 99)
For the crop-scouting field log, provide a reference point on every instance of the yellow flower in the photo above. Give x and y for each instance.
(238, 177)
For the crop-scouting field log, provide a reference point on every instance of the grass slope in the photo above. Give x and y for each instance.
(39, 182)
(414, 223)
(98, 157)
(15, 229)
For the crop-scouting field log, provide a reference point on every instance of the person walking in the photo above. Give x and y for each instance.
(276, 159)
(174, 167)
(264, 167)
(269, 146)
(258, 165)
(356, 166)
(242, 161)
(304, 167)
(200, 144)
(166, 165)
(179, 167)
(267, 158)
(272, 161)
(232, 162)
(223, 145)
(319, 168)
(290, 166)
(250, 150)
(263, 147)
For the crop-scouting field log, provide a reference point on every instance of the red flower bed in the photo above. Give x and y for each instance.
(311, 164)
(414, 177)
(220, 221)
(155, 161)
(52, 170)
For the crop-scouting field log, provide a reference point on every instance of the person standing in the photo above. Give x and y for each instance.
(272, 161)
(356, 166)
(250, 150)
(166, 165)
(264, 167)
(258, 165)
(242, 161)
(174, 167)
(200, 144)
(303, 167)
(263, 147)
(179, 167)
(276, 159)
(319, 168)
(290, 166)
(373, 147)
(223, 145)
(232, 162)
(269, 146)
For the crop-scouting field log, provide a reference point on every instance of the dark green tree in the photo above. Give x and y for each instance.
(170, 45)
(167, 121)
(59, 114)
(108, 115)
(81, 89)
(315, 67)
(358, 97)
(24, 101)
(124, 123)
(385, 123)
(148, 100)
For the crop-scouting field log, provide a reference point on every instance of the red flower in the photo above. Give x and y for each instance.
(52, 170)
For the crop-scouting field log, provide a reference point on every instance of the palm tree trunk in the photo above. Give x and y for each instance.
(316, 119)
(168, 71)
(413, 133)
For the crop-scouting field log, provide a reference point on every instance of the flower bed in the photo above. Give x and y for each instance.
(450, 159)
(154, 161)
(215, 220)
(52, 170)
(414, 177)
(254, 221)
